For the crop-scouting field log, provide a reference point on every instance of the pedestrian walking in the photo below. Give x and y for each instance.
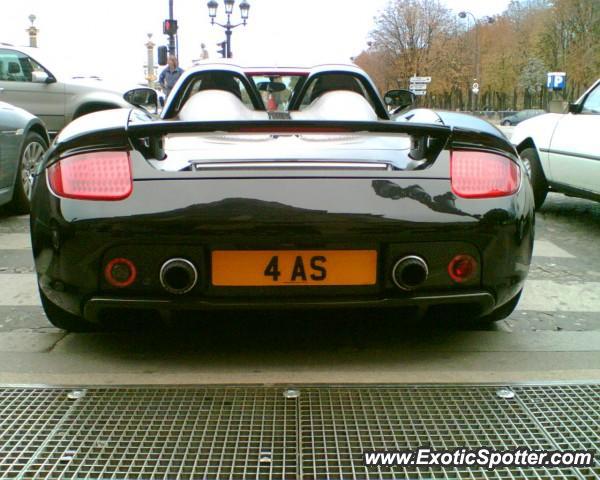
(169, 76)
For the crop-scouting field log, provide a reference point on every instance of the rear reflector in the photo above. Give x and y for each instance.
(477, 174)
(120, 272)
(462, 268)
(92, 176)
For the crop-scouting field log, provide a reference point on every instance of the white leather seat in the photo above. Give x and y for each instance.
(338, 105)
(216, 106)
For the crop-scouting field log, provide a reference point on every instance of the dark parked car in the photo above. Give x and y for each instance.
(23, 141)
(222, 204)
(521, 117)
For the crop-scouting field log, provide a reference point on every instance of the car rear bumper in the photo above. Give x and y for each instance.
(73, 240)
(475, 303)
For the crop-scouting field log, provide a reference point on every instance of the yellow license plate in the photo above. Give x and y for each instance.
(285, 268)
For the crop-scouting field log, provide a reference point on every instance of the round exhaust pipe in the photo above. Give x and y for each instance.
(178, 276)
(410, 272)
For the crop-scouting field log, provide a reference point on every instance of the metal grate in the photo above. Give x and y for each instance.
(27, 419)
(125, 433)
(159, 433)
(570, 414)
(337, 425)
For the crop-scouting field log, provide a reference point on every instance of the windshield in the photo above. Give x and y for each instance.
(276, 90)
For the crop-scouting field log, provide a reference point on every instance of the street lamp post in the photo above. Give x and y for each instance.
(33, 31)
(477, 53)
(213, 5)
(150, 69)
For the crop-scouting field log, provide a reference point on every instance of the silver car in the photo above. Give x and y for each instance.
(23, 142)
(30, 80)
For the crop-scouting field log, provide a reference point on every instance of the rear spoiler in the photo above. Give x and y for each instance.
(426, 139)
(423, 136)
(417, 131)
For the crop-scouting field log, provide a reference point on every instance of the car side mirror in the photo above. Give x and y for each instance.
(145, 98)
(397, 100)
(574, 108)
(40, 77)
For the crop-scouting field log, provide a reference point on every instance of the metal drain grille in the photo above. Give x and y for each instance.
(173, 433)
(255, 432)
(569, 414)
(27, 418)
(338, 425)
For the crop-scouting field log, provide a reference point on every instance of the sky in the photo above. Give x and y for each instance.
(107, 37)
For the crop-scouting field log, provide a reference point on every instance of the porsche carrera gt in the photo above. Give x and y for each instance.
(324, 202)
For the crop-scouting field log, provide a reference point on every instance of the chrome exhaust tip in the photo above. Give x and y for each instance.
(178, 276)
(410, 272)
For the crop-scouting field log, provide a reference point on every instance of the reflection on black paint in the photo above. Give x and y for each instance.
(440, 203)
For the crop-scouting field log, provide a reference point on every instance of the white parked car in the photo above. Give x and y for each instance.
(34, 81)
(561, 152)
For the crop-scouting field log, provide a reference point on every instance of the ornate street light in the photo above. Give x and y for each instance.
(229, 6)
(244, 10)
(213, 5)
(212, 10)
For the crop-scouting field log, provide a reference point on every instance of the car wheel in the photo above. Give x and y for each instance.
(33, 149)
(533, 167)
(506, 123)
(504, 311)
(65, 320)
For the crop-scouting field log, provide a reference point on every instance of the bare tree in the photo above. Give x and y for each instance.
(405, 31)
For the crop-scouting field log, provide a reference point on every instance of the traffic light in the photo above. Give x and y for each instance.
(223, 49)
(170, 27)
(162, 55)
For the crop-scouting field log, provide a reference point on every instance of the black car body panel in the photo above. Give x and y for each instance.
(189, 214)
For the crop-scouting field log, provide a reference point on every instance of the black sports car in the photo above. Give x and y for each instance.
(221, 204)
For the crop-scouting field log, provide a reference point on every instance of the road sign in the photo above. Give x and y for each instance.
(418, 87)
(556, 80)
(420, 79)
(420, 92)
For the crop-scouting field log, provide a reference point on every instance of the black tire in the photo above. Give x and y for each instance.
(65, 320)
(506, 123)
(33, 148)
(536, 175)
(504, 311)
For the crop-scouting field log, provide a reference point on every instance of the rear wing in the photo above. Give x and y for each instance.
(427, 139)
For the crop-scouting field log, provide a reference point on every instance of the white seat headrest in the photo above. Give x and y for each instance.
(338, 105)
(215, 106)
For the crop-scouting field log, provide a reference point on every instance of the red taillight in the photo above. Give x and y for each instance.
(477, 174)
(462, 268)
(92, 176)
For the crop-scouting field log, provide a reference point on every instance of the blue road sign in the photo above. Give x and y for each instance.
(556, 80)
